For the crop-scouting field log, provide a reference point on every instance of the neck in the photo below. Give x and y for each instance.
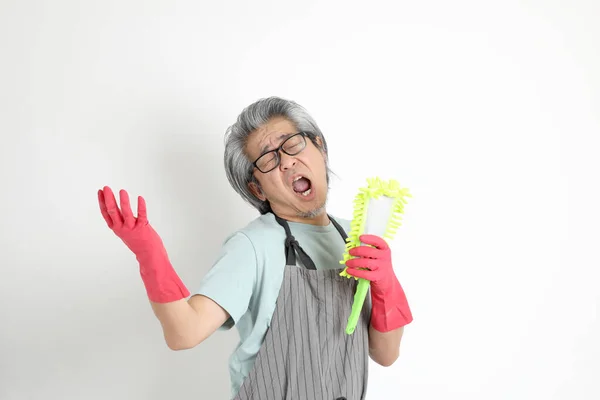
(321, 219)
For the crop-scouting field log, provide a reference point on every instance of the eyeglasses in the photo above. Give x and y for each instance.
(270, 160)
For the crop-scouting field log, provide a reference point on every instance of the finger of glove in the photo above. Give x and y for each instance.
(128, 218)
(366, 252)
(112, 209)
(374, 240)
(142, 213)
(360, 262)
(103, 209)
(360, 273)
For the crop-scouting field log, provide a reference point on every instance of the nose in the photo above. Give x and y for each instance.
(286, 161)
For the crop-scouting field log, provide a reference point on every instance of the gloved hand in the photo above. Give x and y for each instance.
(160, 279)
(390, 308)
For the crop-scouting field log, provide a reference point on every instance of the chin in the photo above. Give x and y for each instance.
(315, 211)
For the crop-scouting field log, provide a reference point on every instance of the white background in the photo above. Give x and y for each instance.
(489, 112)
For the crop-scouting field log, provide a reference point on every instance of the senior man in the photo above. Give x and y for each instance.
(277, 278)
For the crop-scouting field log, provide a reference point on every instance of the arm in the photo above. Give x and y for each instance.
(384, 347)
(390, 311)
(186, 324)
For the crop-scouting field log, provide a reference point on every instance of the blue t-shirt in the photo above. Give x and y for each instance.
(248, 273)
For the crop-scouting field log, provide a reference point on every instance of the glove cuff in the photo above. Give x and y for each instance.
(162, 283)
(390, 309)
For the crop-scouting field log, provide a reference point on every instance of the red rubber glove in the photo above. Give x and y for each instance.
(390, 308)
(160, 279)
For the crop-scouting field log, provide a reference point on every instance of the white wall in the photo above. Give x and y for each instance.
(494, 108)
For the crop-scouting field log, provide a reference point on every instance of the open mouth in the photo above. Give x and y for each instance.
(302, 186)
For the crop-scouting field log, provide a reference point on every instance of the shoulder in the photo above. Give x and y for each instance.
(344, 222)
(261, 236)
(261, 228)
(264, 231)
(256, 228)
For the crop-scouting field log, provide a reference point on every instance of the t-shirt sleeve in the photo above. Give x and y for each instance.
(231, 280)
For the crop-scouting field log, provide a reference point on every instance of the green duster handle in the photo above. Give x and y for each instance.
(359, 299)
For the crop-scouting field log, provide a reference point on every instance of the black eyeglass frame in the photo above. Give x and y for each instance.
(304, 135)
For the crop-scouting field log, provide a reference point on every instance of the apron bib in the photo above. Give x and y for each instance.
(306, 354)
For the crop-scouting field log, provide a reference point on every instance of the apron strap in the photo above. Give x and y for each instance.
(292, 246)
(339, 228)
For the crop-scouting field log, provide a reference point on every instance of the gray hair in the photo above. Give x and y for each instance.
(238, 167)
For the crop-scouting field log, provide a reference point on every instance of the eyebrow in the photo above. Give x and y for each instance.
(281, 138)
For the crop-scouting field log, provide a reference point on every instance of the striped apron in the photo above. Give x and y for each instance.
(306, 354)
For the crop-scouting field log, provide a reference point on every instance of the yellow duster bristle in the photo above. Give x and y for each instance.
(376, 188)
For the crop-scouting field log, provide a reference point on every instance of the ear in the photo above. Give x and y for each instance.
(256, 191)
(319, 141)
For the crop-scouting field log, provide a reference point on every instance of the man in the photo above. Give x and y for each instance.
(277, 279)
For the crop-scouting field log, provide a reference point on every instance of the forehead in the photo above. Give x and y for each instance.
(269, 135)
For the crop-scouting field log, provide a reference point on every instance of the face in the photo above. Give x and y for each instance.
(297, 188)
